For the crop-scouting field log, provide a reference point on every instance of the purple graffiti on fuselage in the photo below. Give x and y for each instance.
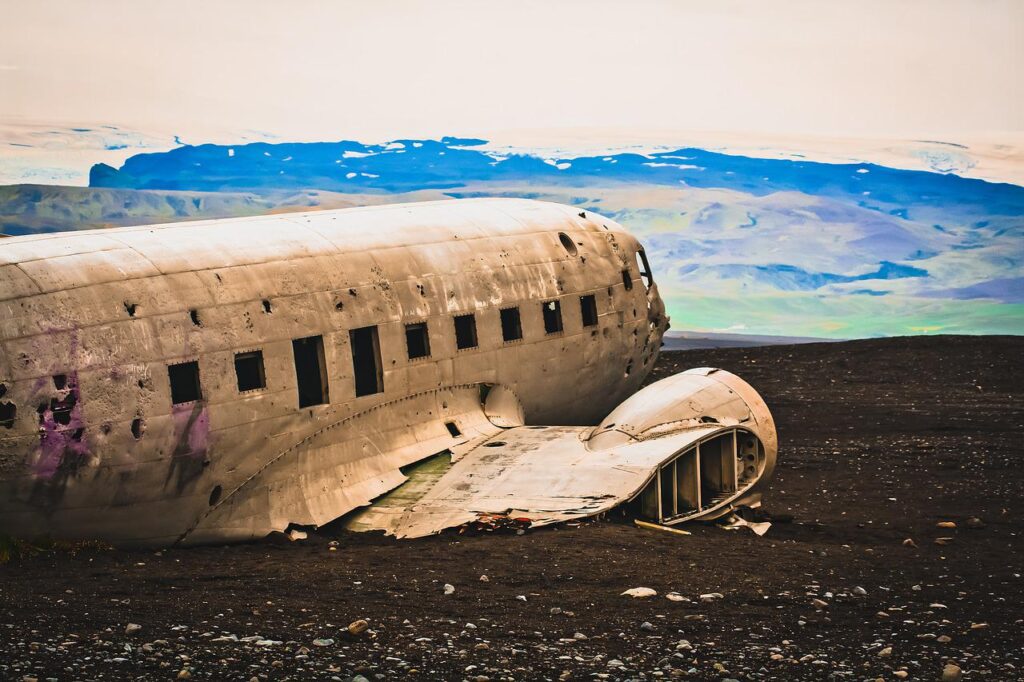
(62, 445)
(191, 441)
(191, 429)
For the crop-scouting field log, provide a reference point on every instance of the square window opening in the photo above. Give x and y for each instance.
(588, 310)
(511, 325)
(627, 279)
(185, 387)
(453, 430)
(249, 371)
(417, 340)
(552, 316)
(465, 331)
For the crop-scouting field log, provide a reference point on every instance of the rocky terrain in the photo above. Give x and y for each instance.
(896, 553)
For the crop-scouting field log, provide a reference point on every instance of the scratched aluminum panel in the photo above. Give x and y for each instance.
(14, 283)
(39, 247)
(79, 270)
(187, 246)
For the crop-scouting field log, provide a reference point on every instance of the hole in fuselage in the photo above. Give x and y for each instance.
(215, 495)
(311, 371)
(366, 364)
(567, 243)
(453, 429)
(138, 427)
(8, 413)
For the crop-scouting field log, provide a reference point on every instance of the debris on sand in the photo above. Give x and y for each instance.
(640, 593)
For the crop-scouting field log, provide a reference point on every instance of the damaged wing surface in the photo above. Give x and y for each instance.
(694, 445)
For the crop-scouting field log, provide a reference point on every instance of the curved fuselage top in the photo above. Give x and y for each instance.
(96, 325)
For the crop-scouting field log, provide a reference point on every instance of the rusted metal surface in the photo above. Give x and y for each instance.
(251, 318)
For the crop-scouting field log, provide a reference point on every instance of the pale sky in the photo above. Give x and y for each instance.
(384, 69)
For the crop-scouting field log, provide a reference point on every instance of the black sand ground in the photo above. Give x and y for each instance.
(880, 442)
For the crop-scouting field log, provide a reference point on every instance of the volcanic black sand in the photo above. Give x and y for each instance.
(880, 442)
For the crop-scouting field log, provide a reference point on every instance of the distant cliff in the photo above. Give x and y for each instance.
(29, 209)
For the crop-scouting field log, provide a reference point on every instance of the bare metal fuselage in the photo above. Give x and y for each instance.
(96, 326)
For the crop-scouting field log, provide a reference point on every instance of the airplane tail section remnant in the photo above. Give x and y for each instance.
(692, 446)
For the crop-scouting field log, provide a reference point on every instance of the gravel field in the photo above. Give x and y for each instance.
(896, 553)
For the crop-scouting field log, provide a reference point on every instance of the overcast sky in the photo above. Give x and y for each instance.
(374, 70)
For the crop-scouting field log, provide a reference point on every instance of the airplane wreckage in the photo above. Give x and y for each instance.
(406, 368)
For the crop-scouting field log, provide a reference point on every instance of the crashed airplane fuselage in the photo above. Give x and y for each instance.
(216, 381)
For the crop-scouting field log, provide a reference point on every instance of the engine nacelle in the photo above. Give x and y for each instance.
(724, 468)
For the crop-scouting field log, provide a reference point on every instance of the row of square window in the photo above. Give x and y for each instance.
(310, 366)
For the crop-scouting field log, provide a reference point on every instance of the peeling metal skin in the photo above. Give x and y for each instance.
(557, 473)
(218, 380)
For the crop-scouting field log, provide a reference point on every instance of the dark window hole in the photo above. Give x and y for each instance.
(267, 308)
(511, 325)
(194, 314)
(185, 386)
(138, 427)
(417, 340)
(366, 365)
(215, 495)
(310, 371)
(552, 316)
(588, 310)
(249, 371)
(453, 429)
(130, 308)
(8, 413)
(465, 331)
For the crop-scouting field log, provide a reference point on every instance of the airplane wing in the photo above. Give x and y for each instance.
(694, 445)
(686, 447)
